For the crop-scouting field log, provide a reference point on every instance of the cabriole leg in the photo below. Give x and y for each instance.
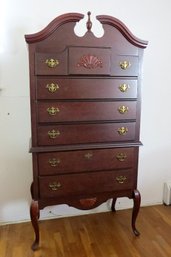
(113, 204)
(34, 215)
(137, 201)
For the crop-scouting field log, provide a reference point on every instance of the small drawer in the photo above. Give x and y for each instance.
(77, 184)
(86, 111)
(125, 65)
(86, 88)
(89, 60)
(86, 133)
(85, 160)
(51, 63)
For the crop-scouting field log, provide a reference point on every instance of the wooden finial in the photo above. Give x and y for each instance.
(89, 23)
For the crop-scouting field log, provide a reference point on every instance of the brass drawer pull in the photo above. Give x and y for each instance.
(53, 133)
(121, 157)
(52, 110)
(124, 87)
(88, 155)
(122, 131)
(123, 109)
(54, 162)
(52, 63)
(52, 87)
(121, 179)
(125, 65)
(54, 186)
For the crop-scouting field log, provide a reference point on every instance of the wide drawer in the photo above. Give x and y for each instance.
(56, 111)
(89, 183)
(85, 88)
(85, 160)
(86, 133)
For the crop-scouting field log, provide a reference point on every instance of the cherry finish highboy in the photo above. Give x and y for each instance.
(85, 115)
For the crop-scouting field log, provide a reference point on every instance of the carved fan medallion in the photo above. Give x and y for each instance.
(90, 62)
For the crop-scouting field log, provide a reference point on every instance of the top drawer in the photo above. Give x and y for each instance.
(51, 63)
(89, 60)
(86, 61)
(124, 65)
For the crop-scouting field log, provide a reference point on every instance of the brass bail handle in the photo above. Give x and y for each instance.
(53, 133)
(122, 131)
(124, 87)
(121, 157)
(52, 63)
(54, 162)
(52, 88)
(121, 179)
(123, 109)
(53, 110)
(55, 186)
(125, 65)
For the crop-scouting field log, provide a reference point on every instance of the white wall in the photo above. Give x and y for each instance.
(148, 20)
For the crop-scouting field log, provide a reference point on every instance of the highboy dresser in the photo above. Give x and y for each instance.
(85, 115)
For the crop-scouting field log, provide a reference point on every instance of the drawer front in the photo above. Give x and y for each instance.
(85, 160)
(89, 60)
(86, 61)
(51, 63)
(85, 183)
(85, 111)
(125, 65)
(86, 88)
(86, 133)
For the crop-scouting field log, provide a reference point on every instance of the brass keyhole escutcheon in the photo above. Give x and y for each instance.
(121, 179)
(52, 63)
(54, 186)
(121, 157)
(54, 162)
(52, 88)
(123, 109)
(123, 87)
(52, 110)
(88, 156)
(125, 65)
(53, 133)
(122, 131)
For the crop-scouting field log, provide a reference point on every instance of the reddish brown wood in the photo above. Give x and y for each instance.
(85, 160)
(85, 115)
(51, 149)
(62, 185)
(52, 26)
(137, 202)
(88, 202)
(89, 23)
(91, 88)
(88, 133)
(31, 190)
(53, 111)
(114, 22)
(34, 214)
(113, 204)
